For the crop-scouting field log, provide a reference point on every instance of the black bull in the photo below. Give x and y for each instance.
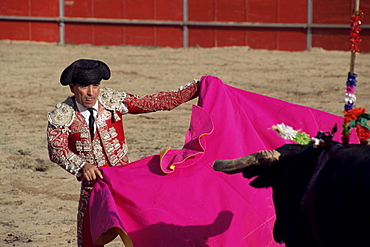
(321, 197)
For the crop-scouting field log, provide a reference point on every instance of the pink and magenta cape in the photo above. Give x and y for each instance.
(176, 199)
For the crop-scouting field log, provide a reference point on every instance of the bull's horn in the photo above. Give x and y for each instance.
(262, 158)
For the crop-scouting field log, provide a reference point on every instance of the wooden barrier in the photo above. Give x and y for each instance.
(260, 24)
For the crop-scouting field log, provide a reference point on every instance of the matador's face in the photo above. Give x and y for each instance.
(86, 95)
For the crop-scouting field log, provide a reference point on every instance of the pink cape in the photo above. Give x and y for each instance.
(176, 199)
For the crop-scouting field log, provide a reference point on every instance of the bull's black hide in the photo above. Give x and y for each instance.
(332, 209)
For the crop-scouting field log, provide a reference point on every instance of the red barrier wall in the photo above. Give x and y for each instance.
(263, 11)
(35, 31)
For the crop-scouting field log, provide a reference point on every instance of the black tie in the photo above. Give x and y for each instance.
(91, 122)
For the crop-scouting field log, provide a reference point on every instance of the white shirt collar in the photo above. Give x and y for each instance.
(85, 113)
(81, 108)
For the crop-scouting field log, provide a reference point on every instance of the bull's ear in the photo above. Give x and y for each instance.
(262, 181)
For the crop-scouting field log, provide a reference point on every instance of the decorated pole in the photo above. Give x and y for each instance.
(354, 117)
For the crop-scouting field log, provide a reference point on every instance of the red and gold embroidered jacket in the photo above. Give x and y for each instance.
(69, 141)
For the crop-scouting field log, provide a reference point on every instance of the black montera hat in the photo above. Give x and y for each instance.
(85, 72)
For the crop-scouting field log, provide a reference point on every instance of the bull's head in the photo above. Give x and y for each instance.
(251, 165)
(258, 164)
(287, 171)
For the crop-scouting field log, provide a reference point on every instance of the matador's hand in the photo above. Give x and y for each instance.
(91, 172)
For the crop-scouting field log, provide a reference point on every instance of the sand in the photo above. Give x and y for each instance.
(38, 199)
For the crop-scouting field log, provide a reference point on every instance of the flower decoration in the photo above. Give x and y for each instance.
(357, 118)
(288, 133)
(321, 140)
(355, 39)
(350, 97)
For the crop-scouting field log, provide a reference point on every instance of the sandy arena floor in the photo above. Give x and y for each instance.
(38, 199)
